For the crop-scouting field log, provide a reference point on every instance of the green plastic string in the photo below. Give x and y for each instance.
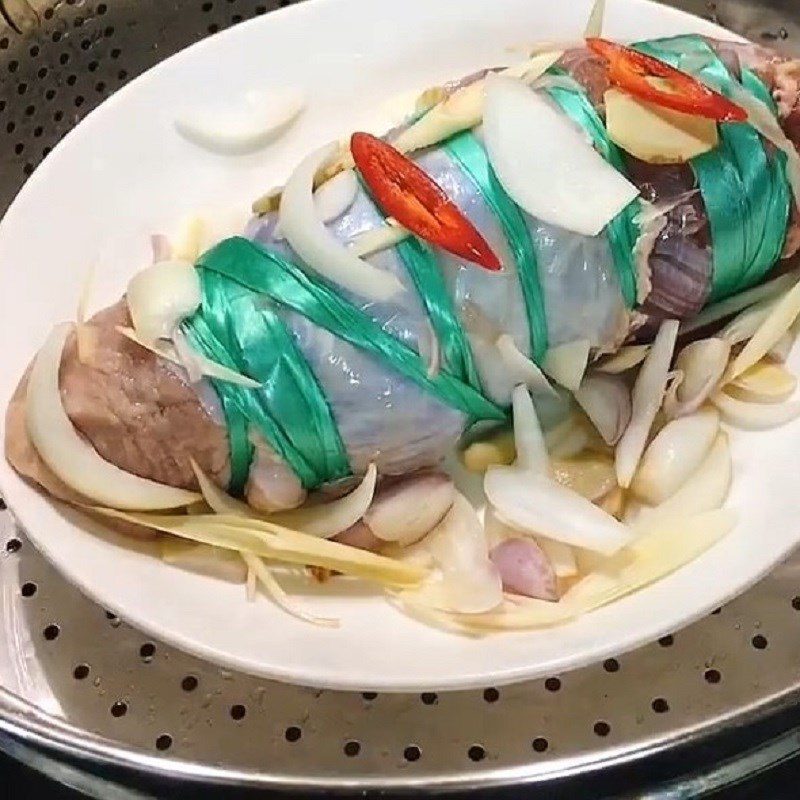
(622, 231)
(259, 270)
(422, 265)
(471, 156)
(241, 329)
(744, 188)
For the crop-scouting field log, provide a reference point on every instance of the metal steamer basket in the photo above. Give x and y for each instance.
(99, 706)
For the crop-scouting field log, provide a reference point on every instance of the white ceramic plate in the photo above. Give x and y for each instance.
(124, 173)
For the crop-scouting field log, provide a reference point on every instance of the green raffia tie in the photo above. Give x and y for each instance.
(241, 329)
(468, 153)
(259, 270)
(622, 231)
(744, 188)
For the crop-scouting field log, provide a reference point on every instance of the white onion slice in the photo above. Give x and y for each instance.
(566, 363)
(464, 109)
(699, 367)
(731, 305)
(162, 295)
(544, 161)
(84, 338)
(704, 490)
(71, 457)
(470, 583)
(328, 519)
(528, 438)
(781, 350)
(594, 25)
(744, 325)
(168, 352)
(335, 196)
(248, 124)
(521, 368)
(538, 506)
(763, 383)
(776, 324)
(676, 452)
(561, 556)
(648, 393)
(607, 402)
(755, 416)
(624, 359)
(317, 246)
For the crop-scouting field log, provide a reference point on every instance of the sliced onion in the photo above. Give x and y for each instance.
(162, 247)
(744, 325)
(250, 123)
(607, 402)
(377, 239)
(676, 452)
(648, 392)
(335, 196)
(464, 108)
(524, 568)
(754, 416)
(704, 490)
(521, 368)
(219, 501)
(70, 456)
(409, 510)
(544, 161)
(624, 359)
(566, 363)
(700, 366)
(328, 519)
(763, 383)
(781, 350)
(161, 296)
(561, 556)
(278, 595)
(731, 305)
(537, 505)
(470, 583)
(317, 246)
(528, 438)
(594, 25)
(167, 351)
(776, 324)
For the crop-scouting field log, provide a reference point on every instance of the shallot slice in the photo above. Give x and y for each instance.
(676, 452)
(521, 368)
(528, 438)
(624, 359)
(566, 363)
(607, 402)
(648, 393)
(524, 569)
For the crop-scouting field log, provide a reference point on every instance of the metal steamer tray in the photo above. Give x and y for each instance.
(101, 707)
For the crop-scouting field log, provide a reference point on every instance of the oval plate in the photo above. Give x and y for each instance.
(125, 173)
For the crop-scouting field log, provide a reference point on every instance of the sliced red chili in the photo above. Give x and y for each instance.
(631, 70)
(417, 202)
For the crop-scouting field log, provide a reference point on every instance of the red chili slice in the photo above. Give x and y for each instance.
(630, 70)
(405, 192)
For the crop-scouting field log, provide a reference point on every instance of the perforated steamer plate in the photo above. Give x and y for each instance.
(80, 687)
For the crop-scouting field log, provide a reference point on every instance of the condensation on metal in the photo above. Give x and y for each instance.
(75, 674)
